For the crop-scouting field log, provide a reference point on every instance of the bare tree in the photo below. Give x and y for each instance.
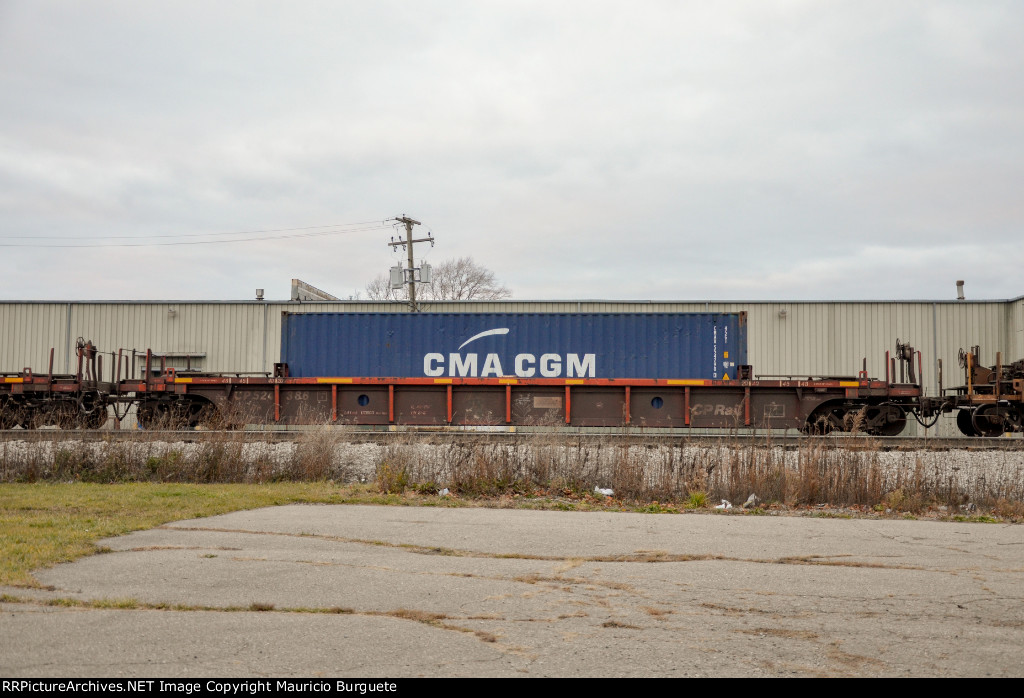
(380, 290)
(459, 279)
(463, 279)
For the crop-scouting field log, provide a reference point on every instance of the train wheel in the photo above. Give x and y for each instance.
(150, 414)
(11, 415)
(988, 421)
(176, 416)
(827, 419)
(186, 414)
(1013, 419)
(57, 415)
(209, 417)
(92, 411)
(95, 419)
(158, 414)
(965, 423)
(886, 420)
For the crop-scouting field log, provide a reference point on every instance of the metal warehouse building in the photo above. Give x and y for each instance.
(800, 338)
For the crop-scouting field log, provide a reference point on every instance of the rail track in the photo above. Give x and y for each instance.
(368, 436)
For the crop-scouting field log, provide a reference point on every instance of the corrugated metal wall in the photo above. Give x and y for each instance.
(28, 330)
(794, 338)
(1015, 329)
(231, 335)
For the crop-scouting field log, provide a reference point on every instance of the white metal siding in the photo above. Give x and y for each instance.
(814, 338)
(29, 330)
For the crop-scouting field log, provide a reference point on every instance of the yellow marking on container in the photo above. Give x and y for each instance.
(182, 380)
(333, 380)
(508, 381)
(14, 380)
(725, 355)
(575, 381)
(725, 377)
(688, 381)
(849, 384)
(442, 380)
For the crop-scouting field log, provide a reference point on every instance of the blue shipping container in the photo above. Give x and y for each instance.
(520, 345)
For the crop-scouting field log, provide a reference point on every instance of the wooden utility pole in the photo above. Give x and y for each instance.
(408, 243)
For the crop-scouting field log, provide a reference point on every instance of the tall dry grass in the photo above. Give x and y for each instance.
(799, 472)
(205, 457)
(808, 471)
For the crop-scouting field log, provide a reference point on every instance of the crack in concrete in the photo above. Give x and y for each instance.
(148, 548)
(432, 619)
(637, 557)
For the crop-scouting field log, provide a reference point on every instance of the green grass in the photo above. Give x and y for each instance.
(43, 524)
(696, 500)
(975, 519)
(46, 524)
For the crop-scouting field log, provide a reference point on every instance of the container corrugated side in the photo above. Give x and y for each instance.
(522, 345)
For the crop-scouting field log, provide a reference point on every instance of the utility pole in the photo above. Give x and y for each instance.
(410, 273)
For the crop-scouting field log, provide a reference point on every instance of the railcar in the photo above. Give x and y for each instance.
(558, 385)
(183, 398)
(79, 400)
(990, 402)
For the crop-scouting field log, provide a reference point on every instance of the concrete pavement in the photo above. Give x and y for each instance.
(395, 591)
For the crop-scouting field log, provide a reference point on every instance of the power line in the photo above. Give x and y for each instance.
(370, 225)
(376, 224)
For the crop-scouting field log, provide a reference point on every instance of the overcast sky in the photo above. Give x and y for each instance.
(626, 150)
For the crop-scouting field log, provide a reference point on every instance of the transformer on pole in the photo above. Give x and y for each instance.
(411, 275)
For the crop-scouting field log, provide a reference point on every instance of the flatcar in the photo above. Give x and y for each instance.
(990, 402)
(585, 374)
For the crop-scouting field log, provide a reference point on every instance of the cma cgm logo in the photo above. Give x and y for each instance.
(472, 365)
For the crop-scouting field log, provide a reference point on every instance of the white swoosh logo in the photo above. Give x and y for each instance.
(500, 330)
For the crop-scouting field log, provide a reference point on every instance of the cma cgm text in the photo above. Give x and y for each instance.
(524, 366)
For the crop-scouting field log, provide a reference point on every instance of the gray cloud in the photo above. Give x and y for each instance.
(601, 149)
